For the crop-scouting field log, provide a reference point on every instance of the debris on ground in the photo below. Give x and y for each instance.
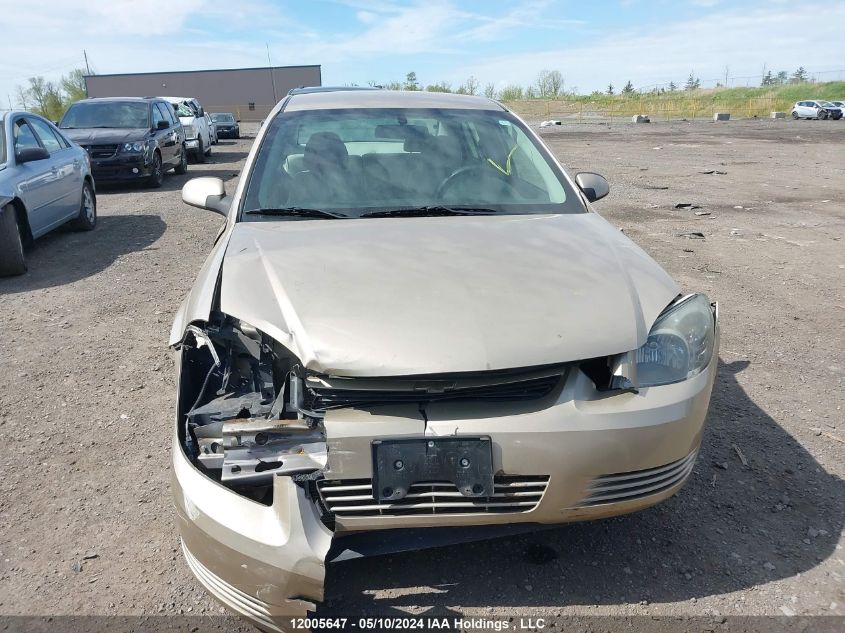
(692, 235)
(715, 172)
(687, 205)
(740, 455)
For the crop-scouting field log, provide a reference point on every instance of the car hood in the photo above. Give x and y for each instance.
(405, 296)
(105, 136)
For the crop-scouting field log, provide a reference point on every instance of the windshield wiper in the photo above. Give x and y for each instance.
(301, 212)
(428, 211)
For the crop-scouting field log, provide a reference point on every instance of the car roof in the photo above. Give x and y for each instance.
(178, 99)
(117, 99)
(328, 99)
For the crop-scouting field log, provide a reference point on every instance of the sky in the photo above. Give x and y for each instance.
(502, 42)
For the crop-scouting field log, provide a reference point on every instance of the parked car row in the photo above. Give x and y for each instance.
(48, 170)
(818, 109)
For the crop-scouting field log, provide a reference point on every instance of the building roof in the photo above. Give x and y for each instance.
(208, 70)
(366, 98)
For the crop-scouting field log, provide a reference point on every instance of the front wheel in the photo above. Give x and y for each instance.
(795, 115)
(822, 115)
(200, 151)
(182, 167)
(87, 218)
(156, 177)
(11, 247)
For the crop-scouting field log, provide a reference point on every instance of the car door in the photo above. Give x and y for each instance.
(166, 137)
(36, 180)
(201, 123)
(175, 126)
(66, 166)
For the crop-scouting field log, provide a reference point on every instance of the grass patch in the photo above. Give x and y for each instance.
(740, 102)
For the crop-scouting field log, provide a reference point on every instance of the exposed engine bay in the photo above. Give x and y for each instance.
(248, 419)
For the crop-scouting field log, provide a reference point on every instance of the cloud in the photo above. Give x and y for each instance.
(440, 39)
(742, 39)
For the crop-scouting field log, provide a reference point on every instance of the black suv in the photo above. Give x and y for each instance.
(128, 138)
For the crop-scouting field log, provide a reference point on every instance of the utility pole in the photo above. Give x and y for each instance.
(272, 77)
(87, 67)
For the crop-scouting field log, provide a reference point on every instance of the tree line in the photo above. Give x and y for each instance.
(550, 84)
(50, 99)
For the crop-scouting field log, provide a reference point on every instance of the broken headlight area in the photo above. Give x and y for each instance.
(680, 345)
(242, 413)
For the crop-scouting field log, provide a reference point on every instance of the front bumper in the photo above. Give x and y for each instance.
(268, 562)
(121, 167)
(228, 132)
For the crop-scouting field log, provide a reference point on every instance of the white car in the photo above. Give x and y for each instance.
(815, 109)
(212, 129)
(197, 133)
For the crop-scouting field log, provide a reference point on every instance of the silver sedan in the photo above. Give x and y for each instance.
(45, 181)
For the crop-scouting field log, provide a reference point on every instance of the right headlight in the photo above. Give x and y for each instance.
(680, 344)
(190, 131)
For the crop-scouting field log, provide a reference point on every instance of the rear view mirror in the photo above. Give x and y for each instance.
(29, 154)
(162, 125)
(206, 193)
(594, 186)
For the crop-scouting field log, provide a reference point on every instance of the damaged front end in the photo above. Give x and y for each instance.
(247, 422)
(243, 424)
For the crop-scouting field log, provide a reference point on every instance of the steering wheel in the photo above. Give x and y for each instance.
(471, 173)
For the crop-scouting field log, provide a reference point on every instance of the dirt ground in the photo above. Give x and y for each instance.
(86, 523)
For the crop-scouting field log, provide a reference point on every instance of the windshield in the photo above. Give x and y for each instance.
(113, 114)
(183, 109)
(223, 118)
(364, 161)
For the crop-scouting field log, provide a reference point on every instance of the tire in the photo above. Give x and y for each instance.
(156, 177)
(238, 134)
(200, 151)
(182, 167)
(795, 115)
(822, 115)
(87, 218)
(11, 248)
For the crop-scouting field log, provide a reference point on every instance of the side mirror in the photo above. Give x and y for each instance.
(162, 125)
(206, 193)
(29, 154)
(595, 187)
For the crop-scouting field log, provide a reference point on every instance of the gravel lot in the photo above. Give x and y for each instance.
(86, 523)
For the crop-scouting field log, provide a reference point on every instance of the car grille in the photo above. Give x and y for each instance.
(354, 497)
(101, 151)
(503, 390)
(620, 487)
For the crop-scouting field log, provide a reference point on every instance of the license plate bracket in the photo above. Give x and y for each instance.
(399, 463)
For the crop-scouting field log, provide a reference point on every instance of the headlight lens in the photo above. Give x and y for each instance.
(190, 131)
(134, 147)
(680, 344)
